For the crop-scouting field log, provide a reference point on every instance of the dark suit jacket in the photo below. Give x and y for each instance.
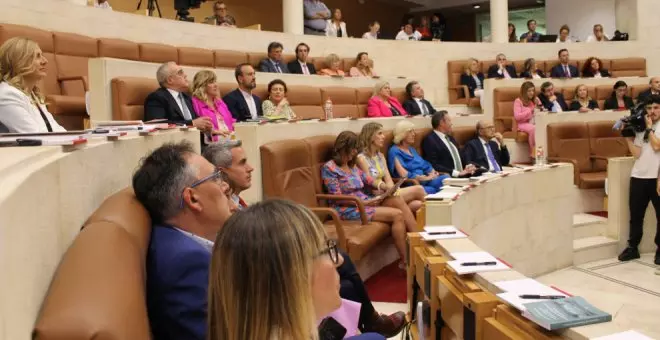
(471, 83)
(575, 105)
(238, 106)
(526, 74)
(589, 74)
(473, 152)
(612, 104)
(558, 71)
(161, 105)
(294, 67)
(177, 281)
(267, 65)
(643, 95)
(492, 71)
(410, 105)
(438, 154)
(548, 105)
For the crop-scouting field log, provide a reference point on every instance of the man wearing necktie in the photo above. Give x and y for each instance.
(273, 63)
(564, 70)
(441, 150)
(300, 64)
(487, 150)
(416, 104)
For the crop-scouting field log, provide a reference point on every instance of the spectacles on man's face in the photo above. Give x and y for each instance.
(218, 177)
(331, 251)
(488, 128)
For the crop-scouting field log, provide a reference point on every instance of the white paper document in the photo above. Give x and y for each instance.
(443, 195)
(462, 258)
(514, 288)
(628, 335)
(444, 232)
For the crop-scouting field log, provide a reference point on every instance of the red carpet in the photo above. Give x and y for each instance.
(388, 285)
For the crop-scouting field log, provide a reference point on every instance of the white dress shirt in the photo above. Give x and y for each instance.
(207, 244)
(648, 163)
(251, 104)
(457, 162)
(368, 35)
(422, 108)
(19, 115)
(175, 95)
(486, 147)
(402, 35)
(592, 38)
(303, 67)
(502, 71)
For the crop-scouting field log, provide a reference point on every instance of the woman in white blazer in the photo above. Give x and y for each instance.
(22, 107)
(334, 27)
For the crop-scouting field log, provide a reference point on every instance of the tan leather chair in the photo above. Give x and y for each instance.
(158, 53)
(193, 56)
(605, 143)
(119, 49)
(463, 134)
(363, 96)
(635, 90)
(254, 58)
(602, 93)
(505, 123)
(98, 290)
(305, 101)
(628, 67)
(128, 95)
(459, 94)
(344, 101)
(229, 59)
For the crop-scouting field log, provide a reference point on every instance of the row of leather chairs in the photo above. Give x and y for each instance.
(129, 93)
(68, 56)
(503, 98)
(458, 94)
(586, 145)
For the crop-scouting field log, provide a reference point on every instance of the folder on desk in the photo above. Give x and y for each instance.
(462, 258)
(514, 288)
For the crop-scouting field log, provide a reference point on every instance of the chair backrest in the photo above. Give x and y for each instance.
(463, 134)
(503, 98)
(570, 140)
(98, 290)
(229, 59)
(363, 96)
(602, 93)
(287, 171)
(118, 48)
(72, 52)
(603, 141)
(628, 67)
(320, 151)
(193, 56)
(158, 53)
(387, 141)
(128, 95)
(344, 101)
(420, 134)
(635, 90)
(305, 101)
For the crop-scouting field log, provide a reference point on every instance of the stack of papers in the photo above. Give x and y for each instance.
(628, 335)
(443, 195)
(475, 262)
(515, 288)
(445, 232)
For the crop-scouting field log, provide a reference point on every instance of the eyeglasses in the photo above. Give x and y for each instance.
(488, 128)
(218, 177)
(331, 251)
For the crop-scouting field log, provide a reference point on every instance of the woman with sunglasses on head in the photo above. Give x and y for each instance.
(273, 275)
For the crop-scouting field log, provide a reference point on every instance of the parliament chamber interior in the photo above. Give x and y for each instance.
(462, 194)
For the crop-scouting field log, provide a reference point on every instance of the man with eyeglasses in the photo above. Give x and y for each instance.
(221, 18)
(229, 157)
(487, 150)
(187, 200)
(502, 69)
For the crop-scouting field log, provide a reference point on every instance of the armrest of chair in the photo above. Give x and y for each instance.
(576, 170)
(324, 213)
(81, 78)
(353, 199)
(461, 89)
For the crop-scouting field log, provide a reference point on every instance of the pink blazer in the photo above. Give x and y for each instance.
(377, 108)
(521, 113)
(204, 110)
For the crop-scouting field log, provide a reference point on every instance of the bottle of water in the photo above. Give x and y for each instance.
(327, 109)
(540, 156)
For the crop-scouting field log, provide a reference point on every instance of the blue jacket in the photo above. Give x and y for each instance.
(177, 282)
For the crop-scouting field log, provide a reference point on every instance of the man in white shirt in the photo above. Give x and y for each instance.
(441, 149)
(242, 103)
(645, 147)
(487, 150)
(599, 34)
(300, 65)
(407, 33)
(416, 104)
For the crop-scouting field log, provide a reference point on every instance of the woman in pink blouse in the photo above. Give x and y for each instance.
(208, 103)
(382, 104)
(523, 112)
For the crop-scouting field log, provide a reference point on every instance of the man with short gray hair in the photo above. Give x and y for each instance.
(230, 158)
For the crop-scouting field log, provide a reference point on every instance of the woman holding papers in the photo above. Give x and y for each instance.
(406, 162)
(22, 106)
(208, 103)
(341, 176)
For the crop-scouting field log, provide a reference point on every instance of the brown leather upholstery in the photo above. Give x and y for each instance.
(602, 93)
(229, 59)
(320, 151)
(255, 57)
(363, 96)
(118, 48)
(98, 290)
(344, 101)
(457, 92)
(196, 56)
(399, 94)
(128, 95)
(420, 134)
(305, 101)
(569, 93)
(505, 124)
(605, 142)
(72, 52)
(628, 67)
(463, 134)
(635, 90)
(158, 53)
(387, 142)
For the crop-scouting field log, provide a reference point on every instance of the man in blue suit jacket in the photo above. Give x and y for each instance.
(273, 63)
(188, 204)
(242, 104)
(564, 70)
(483, 151)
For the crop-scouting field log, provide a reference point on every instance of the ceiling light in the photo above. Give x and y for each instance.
(476, 6)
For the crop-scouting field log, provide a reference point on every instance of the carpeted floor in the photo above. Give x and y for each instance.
(388, 285)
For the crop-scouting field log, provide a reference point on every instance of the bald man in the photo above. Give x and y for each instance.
(654, 89)
(487, 150)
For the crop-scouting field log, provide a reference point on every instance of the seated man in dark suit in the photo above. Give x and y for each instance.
(564, 70)
(188, 203)
(654, 89)
(242, 104)
(300, 65)
(229, 156)
(501, 69)
(273, 63)
(171, 101)
(485, 152)
(551, 100)
(441, 150)
(416, 104)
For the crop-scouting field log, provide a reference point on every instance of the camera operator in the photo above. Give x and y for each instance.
(644, 179)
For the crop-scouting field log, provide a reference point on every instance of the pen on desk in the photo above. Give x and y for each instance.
(541, 297)
(442, 233)
(487, 263)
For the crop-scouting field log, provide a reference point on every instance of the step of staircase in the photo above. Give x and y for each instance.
(586, 225)
(593, 248)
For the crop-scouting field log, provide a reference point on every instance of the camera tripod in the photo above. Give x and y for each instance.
(152, 6)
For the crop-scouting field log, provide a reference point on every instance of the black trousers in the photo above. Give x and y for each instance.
(352, 288)
(642, 190)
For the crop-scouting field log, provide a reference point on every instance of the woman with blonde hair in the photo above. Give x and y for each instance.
(383, 104)
(473, 79)
(332, 66)
(582, 101)
(363, 66)
(273, 275)
(22, 105)
(372, 162)
(406, 162)
(207, 102)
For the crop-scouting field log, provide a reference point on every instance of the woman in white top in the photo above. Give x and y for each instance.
(335, 27)
(374, 27)
(22, 107)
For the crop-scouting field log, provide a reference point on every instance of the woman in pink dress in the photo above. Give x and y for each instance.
(523, 112)
(208, 103)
